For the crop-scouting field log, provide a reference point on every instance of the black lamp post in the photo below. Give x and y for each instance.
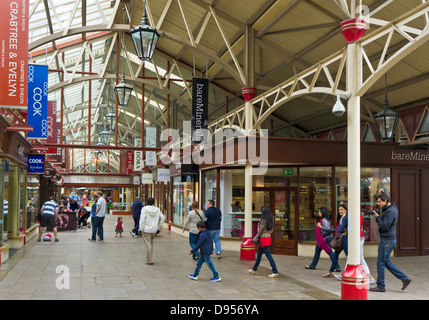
(144, 38)
(386, 120)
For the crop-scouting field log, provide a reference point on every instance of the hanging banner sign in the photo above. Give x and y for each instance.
(130, 162)
(37, 116)
(200, 108)
(14, 53)
(138, 161)
(150, 143)
(52, 126)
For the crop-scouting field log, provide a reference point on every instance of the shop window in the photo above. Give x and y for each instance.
(372, 180)
(4, 179)
(314, 193)
(183, 196)
(209, 186)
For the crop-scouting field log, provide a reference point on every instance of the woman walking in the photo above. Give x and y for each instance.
(341, 229)
(265, 228)
(195, 215)
(323, 225)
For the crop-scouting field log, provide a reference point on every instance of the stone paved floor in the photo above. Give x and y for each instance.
(116, 269)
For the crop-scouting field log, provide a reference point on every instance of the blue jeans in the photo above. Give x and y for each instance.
(335, 255)
(317, 252)
(267, 252)
(193, 241)
(216, 240)
(385, 248)
(136, 226)
(97, 227)
(207, 259)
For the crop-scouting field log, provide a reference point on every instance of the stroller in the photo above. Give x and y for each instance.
(83, 220)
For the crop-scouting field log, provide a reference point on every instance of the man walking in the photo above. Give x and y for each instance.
(100, 214)
(213, 218)
(387, 221)
(137, 210)
(151, 220)
(49, 217)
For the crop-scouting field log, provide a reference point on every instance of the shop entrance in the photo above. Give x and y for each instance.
(412, 186)
(283, 204)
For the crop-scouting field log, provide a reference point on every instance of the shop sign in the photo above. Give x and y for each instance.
(191, 171)
(410, 156)
(130, 162)
(147, 178)
(37, 116)
(200, 117)
(163, 175)
(138, 160)
(150, 143)
(14, 53)
(81, 179)
(36, 163)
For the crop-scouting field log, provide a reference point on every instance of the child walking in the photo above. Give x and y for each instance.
(119, 227)
(205, 244)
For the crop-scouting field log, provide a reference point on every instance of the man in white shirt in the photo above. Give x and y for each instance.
(99, 218)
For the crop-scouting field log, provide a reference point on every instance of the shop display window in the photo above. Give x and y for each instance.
(209, 186)
(372, 180)
(4, 191)
(183, 196)
(314, 193)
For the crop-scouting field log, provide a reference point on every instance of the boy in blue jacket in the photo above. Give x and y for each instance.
(205, 244)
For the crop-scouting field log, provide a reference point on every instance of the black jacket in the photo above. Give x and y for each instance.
(387, 222)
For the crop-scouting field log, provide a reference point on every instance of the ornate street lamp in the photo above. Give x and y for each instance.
(110, 118)
(123, 90)
(144, 38)
(386, 119)
(105, 137)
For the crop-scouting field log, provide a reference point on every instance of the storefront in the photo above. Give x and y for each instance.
(305, 175)
(13, 192)
(118, 189)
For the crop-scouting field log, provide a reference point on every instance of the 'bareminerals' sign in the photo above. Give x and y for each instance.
(410, 156)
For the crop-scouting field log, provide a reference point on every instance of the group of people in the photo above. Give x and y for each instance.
(204, 230)
(386, 218)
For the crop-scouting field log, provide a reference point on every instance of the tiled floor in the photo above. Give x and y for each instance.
(116, 269)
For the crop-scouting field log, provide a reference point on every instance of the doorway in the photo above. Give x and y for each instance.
(412, 187)
(283, 204)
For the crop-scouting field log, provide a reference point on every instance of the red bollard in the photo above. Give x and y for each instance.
(169, 225)
(247, 250)
(354, 284)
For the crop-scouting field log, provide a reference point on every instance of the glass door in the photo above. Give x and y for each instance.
(284, 235)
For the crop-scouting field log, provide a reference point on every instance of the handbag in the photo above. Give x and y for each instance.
(256, 240)
(337, 243)
(326, 233)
